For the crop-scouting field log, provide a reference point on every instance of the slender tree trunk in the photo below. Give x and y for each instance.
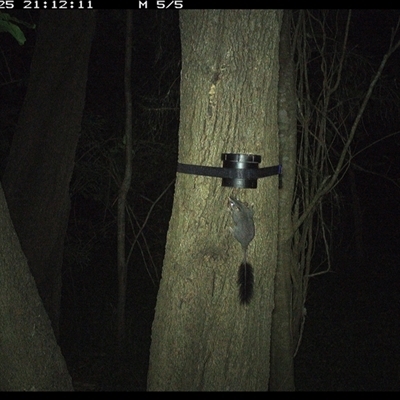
(30, 359)
(202, 337)
(125, 186)
(37, 176)
(282, 347)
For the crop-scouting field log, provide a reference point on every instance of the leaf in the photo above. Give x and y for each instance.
(7, 25)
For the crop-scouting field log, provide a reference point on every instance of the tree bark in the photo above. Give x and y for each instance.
(30, 359)
(37, 176)
(202, 337)
(282, 345)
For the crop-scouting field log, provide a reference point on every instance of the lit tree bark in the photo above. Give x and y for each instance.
(30, 359)
(202, 337)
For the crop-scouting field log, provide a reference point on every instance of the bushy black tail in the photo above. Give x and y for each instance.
(245, 282)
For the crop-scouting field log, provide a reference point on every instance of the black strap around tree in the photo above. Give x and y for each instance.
(230, 173)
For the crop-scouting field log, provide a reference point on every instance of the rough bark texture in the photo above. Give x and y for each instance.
(202, 337)
(282, 347)
(37, 176)
(29, 356)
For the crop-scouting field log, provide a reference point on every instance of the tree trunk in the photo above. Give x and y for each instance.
(29, 356)
(125, 186)
(202, 337)
(282, 346)
(37, 176)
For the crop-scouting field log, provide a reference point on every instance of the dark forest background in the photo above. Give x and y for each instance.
(351, 335)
